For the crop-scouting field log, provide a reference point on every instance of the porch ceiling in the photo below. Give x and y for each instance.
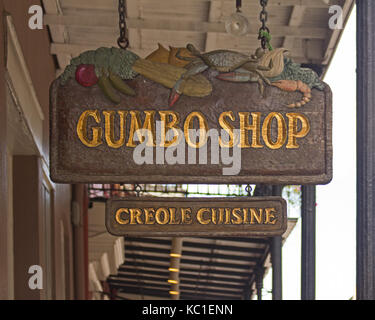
(299, 25)
(210, 268)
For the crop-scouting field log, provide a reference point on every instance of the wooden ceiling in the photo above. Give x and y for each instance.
(210, 268)
(299, 25)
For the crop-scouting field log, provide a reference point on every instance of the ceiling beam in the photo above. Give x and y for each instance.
(138, 264)
(100, 21)
(184, 288)
(198, 282)
(133, 11)
(214, 14)
(58, 32)
(77, 49)
(201, 245)
(295, 20)
(241, 240)
(189, 261)
(164, 294)
(149, 240)
(183, 275)
(112, 4)
(187, 253)
(297, 53)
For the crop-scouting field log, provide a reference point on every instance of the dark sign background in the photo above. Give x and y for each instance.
(73, 162)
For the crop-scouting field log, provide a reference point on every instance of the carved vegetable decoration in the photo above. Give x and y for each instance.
(85, 75)
(107, 67)
(180, 68)
(168, 75)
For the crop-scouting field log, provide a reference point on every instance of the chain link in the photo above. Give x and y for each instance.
(238, 5)
(138, 189)
(122, 41)
(263, 29)
(248, 189)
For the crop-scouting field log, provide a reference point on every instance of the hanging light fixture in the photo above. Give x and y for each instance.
(237, 24)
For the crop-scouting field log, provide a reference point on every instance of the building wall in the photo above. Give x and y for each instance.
(35, 45)
(4, 285)
(24, 243)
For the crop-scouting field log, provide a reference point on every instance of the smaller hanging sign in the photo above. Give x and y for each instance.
(181, 217)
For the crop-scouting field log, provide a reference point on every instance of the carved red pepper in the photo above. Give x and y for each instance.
(86, 76)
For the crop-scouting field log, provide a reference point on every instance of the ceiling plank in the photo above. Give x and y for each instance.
(184, 288)
(214, 14)
(295, 20)
(135, 34)
(112, 4)
(210, 246)
(99, 21)
(76, 49)
(187, 253)
(137, 264)
(183, 275)
(192, 261)
(58, 32)
(162, 293)
(197, 282)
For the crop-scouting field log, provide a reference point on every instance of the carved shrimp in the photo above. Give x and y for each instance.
(295, 85)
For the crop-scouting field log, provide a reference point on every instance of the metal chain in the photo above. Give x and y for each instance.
(238, 5)
(263, 29)
(248, 189)
(122, 41)
(138, 189)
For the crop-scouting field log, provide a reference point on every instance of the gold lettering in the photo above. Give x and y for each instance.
(159, 213)
(203, 128)
(149, 215)
(293, 124)
(270, 217)
(214, 218)
(237, 215)
(172, 212)
(281, 131)
(186, 216)
(254, 128)
(135, 216)
(227, 216)
(148, 125)
(200, 217)
(228, 128)
(255, 216)
(110, 128)
(118, 217)
(245, 216)
(169, 125)
(96, 131)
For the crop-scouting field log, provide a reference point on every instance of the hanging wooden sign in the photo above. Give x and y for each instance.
(148, 217)
(180, 116)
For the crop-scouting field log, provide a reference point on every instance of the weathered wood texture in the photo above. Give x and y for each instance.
(79, 25)
(195, 228)
(72, 161)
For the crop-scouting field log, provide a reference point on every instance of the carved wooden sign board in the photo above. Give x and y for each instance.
(196, 216)
(219, 117)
